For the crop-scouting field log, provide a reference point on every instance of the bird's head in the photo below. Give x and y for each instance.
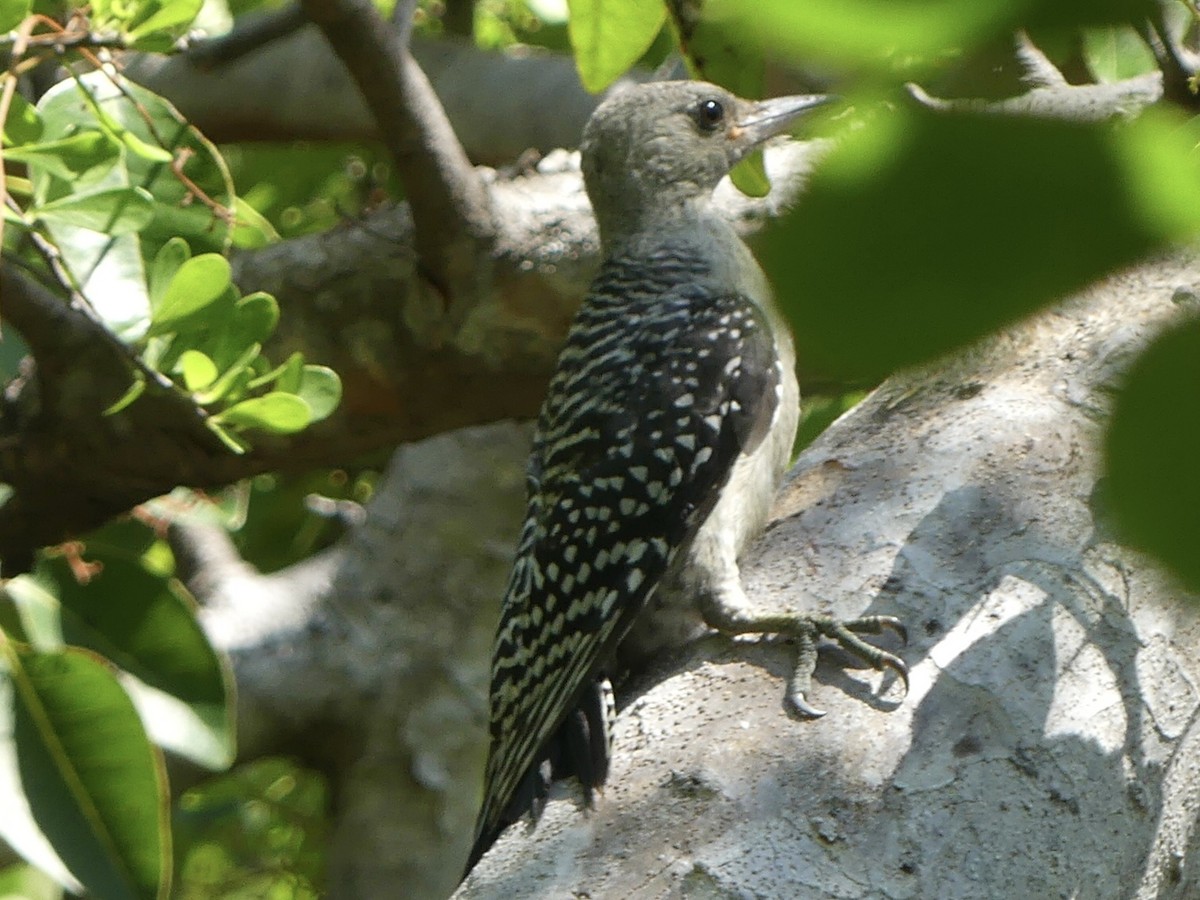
(652, 148)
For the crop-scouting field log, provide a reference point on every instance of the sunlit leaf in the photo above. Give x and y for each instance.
(113, 212)
(153, 134)
(198, 370)
(69, 156)
(609, 36)
(275, 412)
(23, 125)
(170, 258)
(232, 379)
(171, 16)
(198, 282)
(89, 773)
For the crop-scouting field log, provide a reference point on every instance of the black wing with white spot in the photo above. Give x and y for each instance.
(661, 385)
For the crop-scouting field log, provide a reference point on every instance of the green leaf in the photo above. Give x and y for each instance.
(198, 370)
(228, 438)
(286, 376)
(251, 229)
(909, 36)
(255, 318)
(275, 412)
(1153, 481)
(916, 233)
(13, 13)
(18, 828)
(140, 19)
(198, 282)
(23, 125)
(36, 602)
(235, 376)
(172, 16)
(94, 783)
(143, 622)
(67, 157)
(1116, 53)
(167, 261)
(111, 274)
(114, 212)
(750, 176)
(135, 390)
(152, 132)
(609, 36)
(321, 389)
(291, 374)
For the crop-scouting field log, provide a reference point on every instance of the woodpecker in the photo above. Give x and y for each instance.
(667, 427)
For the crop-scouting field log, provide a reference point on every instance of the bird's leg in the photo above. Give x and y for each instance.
(730, 611)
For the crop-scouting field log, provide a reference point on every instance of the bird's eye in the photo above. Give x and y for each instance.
(710, 114)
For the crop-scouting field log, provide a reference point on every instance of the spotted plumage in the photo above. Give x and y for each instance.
(667, 425)
(602, 529)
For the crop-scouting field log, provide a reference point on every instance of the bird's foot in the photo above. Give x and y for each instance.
(730, 613)
(808, 629)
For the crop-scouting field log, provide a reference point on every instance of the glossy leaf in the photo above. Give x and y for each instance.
(115, 211)
(321, 389)
(89, 774)
(233, 380)
(69, 156)
(167, 262)
(609, 36)
(143, 623)
(275, 412)
(37, 606)
(197, 369)
(154, 134)
(198, 282)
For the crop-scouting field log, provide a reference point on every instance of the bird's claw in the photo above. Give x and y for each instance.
(846, 635)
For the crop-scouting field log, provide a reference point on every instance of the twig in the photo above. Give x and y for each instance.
(1178, 65)
(248, 35)
(450, 206)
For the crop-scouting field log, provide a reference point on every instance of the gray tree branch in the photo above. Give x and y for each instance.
(500, 105)
(1045, 747)
(1042, 751)
(452, 216)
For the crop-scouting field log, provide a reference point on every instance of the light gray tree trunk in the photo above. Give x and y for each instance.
(1048, 746)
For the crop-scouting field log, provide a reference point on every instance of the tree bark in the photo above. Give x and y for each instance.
(1045, 747)
(1048, 743)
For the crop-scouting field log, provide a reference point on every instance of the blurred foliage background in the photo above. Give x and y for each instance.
(946, 199)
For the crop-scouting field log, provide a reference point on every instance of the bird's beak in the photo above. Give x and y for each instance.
(767, 118)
